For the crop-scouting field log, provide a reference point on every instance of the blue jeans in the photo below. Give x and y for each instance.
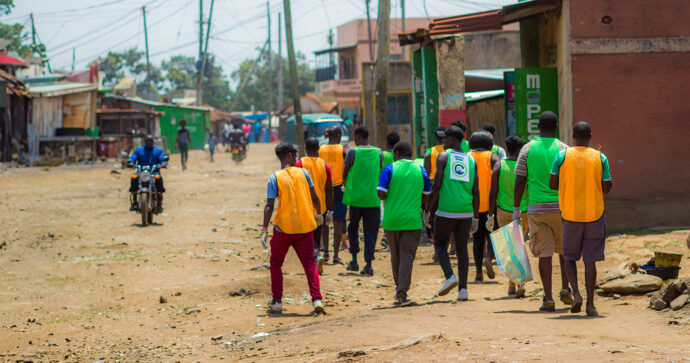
(371, 219)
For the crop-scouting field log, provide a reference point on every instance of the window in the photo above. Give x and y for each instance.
(398, 108)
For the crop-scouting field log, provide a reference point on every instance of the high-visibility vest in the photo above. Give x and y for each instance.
(295, 212)
(317, 170)
(483, 161)
(580, 194)
(332, 154)
(433, 155)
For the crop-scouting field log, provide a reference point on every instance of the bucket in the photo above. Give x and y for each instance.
(665, 273)
(665, 259)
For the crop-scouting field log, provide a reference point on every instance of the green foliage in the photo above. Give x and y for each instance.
(256, 90)
(180, 71)
(6, 6)
(13, 33)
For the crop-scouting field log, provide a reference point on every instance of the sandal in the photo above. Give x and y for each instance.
(566, 297)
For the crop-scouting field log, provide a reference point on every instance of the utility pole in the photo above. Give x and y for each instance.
(280, 62)
(383, 39)
(74, 58)
(270, 68)
(201, 27)
(402, 10)
(299, 130)
(204, 58)
(246, 77)
(371, 47)
(148, 64)
(33, 29)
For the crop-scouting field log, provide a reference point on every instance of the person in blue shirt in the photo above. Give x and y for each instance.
(148, 155)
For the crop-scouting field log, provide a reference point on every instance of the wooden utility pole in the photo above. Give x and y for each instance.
(371, 47)
(270, 68)
(33, 30)
(148, 64)
(383, 39)
(204, 59)
(201, 27)
(299, 130)
(280, 62)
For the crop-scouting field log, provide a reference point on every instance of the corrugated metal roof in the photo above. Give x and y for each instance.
(476, 96)
(488, 20)
(336, 49)
(488, 73)
(59, 89)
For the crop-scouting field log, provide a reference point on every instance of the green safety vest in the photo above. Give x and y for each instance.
(456, 195)
(506, 187)
(363, 178)
(404, 197)
(387, 158)
(542, 151)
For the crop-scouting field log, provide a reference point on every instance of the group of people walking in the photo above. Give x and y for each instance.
(472, 187)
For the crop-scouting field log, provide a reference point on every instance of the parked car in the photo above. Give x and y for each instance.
(314, 125)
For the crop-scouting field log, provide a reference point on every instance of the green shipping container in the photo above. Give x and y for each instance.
(198, 124)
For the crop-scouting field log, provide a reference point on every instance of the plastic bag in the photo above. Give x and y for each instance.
(510, 251)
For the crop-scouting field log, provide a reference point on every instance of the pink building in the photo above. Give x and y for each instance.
(339, 69)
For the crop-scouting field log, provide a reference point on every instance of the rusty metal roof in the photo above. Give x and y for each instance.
(488, 20)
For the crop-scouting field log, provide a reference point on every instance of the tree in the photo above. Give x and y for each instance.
(255, 92)
(181, 73)
(17, 41)
(6, 6)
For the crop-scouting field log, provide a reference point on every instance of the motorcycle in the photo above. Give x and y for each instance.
(238, 153)
(147, 193)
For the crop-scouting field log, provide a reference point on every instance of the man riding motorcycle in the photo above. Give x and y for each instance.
(147, 155)
(236, 137)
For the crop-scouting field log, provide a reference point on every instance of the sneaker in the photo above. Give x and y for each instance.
(275, 306)
(489, 269)
(448, 285)
(404, 302)
(337, 261)
(566, 296)
(352, 266)
(318, 307)
(319, 265)
(367, 270)
(462, 295)
(548, 305)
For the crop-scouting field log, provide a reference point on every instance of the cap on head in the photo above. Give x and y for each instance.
(453, 131)
(440, 131)
(285, 148)
(148, 138)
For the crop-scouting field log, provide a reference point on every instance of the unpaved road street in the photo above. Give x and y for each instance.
(81, 281)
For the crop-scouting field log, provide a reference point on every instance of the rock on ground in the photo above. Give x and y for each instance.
(427, 338)
(679, 302)
(634, 283)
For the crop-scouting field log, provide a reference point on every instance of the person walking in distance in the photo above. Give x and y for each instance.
(481, 143)
(457, 191)
(581, 175)
(333, 154)
(212, 142)
(391, 140)
(501, 198)
(532, 172)
(496, 149)
(461, 124)
(297, 216)
(403, 186)
(183, 142)
(363, 166)
(321, 176)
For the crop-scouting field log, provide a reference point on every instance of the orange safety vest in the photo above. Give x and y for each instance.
(295, 212)
(434, 154)
(317, 170)
(483, 161)
(333, 156)
(580, 195)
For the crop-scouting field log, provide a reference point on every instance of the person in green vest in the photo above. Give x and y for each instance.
(457, 191)
(496, 149)
(363, 166)
(391, 139)
(464, 144)
(403, 186)
(533, 172)
(501, 198)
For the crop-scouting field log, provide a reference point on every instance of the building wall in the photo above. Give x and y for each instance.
(492, 50)
(629, 81)
(46, 117)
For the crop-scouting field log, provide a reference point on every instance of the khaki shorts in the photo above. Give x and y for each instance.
(545, 234)
(504, 218)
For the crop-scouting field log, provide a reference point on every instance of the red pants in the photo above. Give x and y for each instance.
(304, 247)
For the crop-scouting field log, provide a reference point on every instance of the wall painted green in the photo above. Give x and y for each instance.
(198, 124)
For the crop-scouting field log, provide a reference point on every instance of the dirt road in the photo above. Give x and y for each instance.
(80, 281)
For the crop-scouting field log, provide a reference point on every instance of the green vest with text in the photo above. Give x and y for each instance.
(455, 195)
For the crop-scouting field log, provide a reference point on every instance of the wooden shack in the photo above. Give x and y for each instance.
(15, 118)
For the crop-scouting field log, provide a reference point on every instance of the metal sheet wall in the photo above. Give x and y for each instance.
(46, 117)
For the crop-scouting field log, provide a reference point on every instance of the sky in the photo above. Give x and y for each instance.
(239, 28)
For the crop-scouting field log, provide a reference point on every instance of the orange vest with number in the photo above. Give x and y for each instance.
(483, 161)
(317, 170)
(432, 158)
(580, 195)
(333, 156)
(295, 212)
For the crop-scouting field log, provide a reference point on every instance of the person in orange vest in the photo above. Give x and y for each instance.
(321, 176)
(333, 154)
(297, 216)
(481, 143)
(581, 175)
